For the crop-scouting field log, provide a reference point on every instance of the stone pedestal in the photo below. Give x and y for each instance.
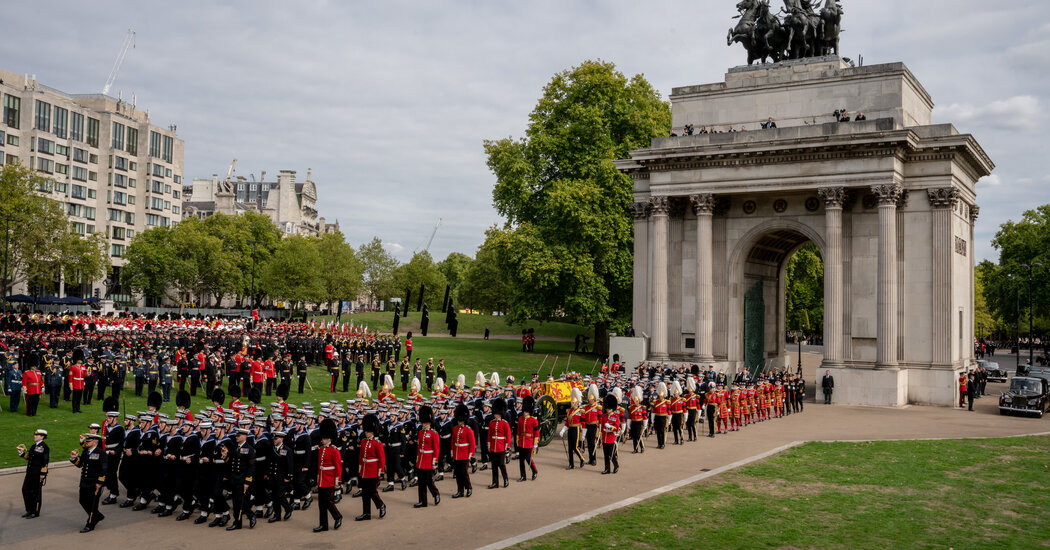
(867, 386)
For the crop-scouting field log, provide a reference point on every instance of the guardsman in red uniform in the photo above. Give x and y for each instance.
(692, 407)
(371, 460)
(677, 406)
(33, 382)
(962, 389)
(270, 369)
(428, 450)
(329, 475)
(77, 373)
(329, 356)
(258, 374)
(723, 410)
(639, 418)
(528, 437)
(463, 448)
(661, 408)
(499, 439)
(408, 346)
(591, 416)
(198, 375)
(574, 418)
(610, 430)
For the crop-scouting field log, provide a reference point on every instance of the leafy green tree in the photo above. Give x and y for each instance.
(455, 267)
(805, 290)
(341, 269)
(421, 269)
(151, 263)
(377, 270)
(41, 247)
(566, 249)
(483, 287)
(249, 240)
(293, 273)
(1006, 285)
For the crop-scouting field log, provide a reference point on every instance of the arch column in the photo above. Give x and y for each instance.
(833, 323)
(704, 206)
(886, 350)
(658, 212)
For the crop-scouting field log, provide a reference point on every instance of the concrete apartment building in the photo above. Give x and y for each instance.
(112, 169)
(291, 205)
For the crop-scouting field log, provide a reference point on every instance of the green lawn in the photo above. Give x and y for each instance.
(461, 355)
(909, 494)
(469, 324)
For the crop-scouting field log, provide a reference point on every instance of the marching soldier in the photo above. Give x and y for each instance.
(498, 441)
(528, 435)
(280, 477)
(371, 460)
(36, 457)
(464, 445)
(300, 371)
(33, 382)
(639, 418)
(329, 475)
(427, 450)
(574, 425)
(92, 464)
(240, 459)
(114, 447)
(610, 429)
(592, 416)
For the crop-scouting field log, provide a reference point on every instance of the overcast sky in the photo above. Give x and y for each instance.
(388, 102)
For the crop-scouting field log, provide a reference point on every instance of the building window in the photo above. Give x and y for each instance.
(158, 186)
(79, 173)
(116, 215)
(118, 136)
(89, 213)
(131, 183)
(60, 187)
(120, 180)
(163, 221)
(167, 189)
(45, 146)
(167, 172)
(133, 141)
(12, 140)
(43, 116)
(133, 166)
(92, 132)
(12, 109)
(74, 209)
(92, 176)
(129, 218)
(119, 197)
(157, 204)
(91, 193)
(178, 179)
(167, 205)
(120, 163)
(174, 209)
(154, 144)
(76, 127)
(45, 165)
(158, 171)
(61, 120)
(79, 191)
(118, 250)
(62, 169)
(169, 149)
(78, 228)
(45, 186)
(10, 159)
(93, 158)
(62, 150)
(175, 194)
(90, 229)
(118, 233)
(131, 199)
(151, 219)
(79, 155)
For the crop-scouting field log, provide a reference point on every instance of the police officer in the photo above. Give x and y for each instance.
(37, 457)
(92, 464)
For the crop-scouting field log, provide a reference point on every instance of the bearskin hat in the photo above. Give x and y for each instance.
(283, 390)
(254, 395)
(528, 404)
(110, 404)
(182, 399)
(235, 391)
(154, 400)
(370, 423)
(499, 406)
(426, 414)
(328, 430)
(610, 402)
(461, 414)
(218, 396)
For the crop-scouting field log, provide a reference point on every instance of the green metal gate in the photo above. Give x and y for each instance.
(754, 327)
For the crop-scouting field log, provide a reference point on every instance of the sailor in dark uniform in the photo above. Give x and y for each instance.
(37, 457)
(92, 464)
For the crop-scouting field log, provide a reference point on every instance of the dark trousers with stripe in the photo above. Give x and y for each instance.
(89, 502)
(574, 445)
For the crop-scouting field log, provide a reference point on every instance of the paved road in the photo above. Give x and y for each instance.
(493, 515)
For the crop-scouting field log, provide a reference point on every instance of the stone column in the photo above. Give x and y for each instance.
(658, 209)
(886, 352)
(703, 206)
(833, 341)
(942, 201)
(640, 307)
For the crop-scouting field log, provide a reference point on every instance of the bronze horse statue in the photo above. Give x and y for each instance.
(759, 31)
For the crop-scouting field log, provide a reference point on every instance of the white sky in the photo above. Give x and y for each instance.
(388, 102)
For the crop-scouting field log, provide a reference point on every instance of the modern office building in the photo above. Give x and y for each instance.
(113, 170)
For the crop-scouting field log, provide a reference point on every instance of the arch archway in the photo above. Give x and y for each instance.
(757, 279)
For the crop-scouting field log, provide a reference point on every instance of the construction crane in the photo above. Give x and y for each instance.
(431, 239)
(129, 42)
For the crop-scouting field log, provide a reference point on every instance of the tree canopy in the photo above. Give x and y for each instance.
(805, 290)
(1006, 284)
(566, 249)
(421, 269)
(377, 269)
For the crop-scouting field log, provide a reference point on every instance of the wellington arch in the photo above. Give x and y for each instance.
(889, 201)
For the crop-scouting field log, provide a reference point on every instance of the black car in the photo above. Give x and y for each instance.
(995, 372)
(1027, 395)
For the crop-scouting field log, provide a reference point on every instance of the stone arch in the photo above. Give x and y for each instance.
(772, 241)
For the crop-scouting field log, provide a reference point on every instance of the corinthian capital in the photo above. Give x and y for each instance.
(833, 196)
(943, 197)
(887, 193)
(659, 206)
(639, 210)
(703, 203)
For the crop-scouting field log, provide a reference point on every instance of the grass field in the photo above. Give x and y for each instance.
(908, 494)
(469, 324)
(461, 355)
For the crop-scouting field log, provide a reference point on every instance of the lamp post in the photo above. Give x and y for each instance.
(1031, 313)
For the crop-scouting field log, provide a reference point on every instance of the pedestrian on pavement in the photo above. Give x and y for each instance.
(828, 385)
(93, 466)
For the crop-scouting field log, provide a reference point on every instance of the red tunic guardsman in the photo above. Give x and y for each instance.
(428, 448)
(528, 437)
(611, 422)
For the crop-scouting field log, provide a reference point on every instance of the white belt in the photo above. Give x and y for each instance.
(78, 379)
(300, 452)
(462, 444)
(260, 458)
(327, 467)
(188, 456)
(428, 452)
(445, 436)
(113, 446)
(371, 460)
(395, 444)
(498, 437)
